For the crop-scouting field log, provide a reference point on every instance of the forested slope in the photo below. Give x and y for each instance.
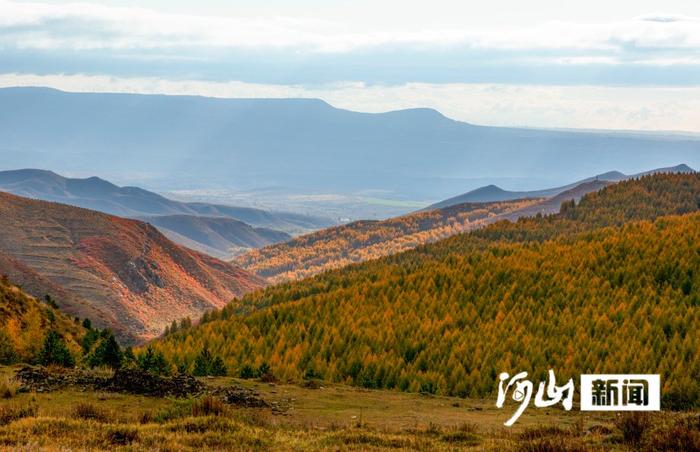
(25, 321)
(359, 241)
(610, 285)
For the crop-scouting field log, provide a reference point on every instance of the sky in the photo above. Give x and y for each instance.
(543, 63)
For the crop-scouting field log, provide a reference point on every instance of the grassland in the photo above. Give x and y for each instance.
(321, 418)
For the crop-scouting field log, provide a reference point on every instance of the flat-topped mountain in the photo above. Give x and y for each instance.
(305, 145)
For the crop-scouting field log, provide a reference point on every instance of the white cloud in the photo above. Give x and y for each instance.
(635, 108)
(29, 25)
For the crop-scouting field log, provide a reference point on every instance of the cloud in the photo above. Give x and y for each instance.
(634, 108)
(88, 38)
(81, 26)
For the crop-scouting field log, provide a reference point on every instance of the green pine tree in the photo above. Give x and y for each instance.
(203, 363)
(54, 351)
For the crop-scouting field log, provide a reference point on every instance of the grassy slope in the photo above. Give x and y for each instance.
(334, 417)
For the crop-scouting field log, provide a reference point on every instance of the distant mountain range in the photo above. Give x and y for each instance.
(360, 241)
(217, 236)
(491, 193)
(301, 145)
(218, 230)
(120, 273)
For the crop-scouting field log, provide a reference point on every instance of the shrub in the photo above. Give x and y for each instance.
(679, 437)
(433, 429)
(542, 432)
(551, 444)
(12, 413)
(88, 411)
(208, 406)
(8, 387)
(146, 417)
(633, 426)
(122, 436)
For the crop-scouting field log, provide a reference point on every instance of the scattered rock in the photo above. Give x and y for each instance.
(242, 397)
(136, 381)
(132, 381)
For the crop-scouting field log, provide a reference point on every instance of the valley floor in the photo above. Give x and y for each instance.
(313, 418)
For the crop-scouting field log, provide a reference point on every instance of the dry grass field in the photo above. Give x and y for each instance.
(314, 418)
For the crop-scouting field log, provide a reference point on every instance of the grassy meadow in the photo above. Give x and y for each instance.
(316, 417)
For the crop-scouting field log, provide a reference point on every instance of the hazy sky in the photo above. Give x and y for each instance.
(613, 64)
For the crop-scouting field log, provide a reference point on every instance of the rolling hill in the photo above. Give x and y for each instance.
(491, 193)
(302, 145)
(218, 230)
(121, 273)
(133, 202)
(608, 285)
(217, 236)
(336, 247)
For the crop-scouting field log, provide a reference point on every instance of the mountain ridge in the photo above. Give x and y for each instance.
(316, 148)
(219, 230)
(133, 201)
(491, 193)
(136, 280)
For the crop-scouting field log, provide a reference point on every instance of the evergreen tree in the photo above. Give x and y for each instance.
(202, 364)
(50, 301)
(154, 362)
(263, 370)
(89, 340)
(129, 356)
(8, 354)
(247, 372)
(218, 368)
(107, 353)
(54, 351)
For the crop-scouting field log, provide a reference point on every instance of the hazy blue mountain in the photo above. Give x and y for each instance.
(491, 193)
(301, 144)
(98, 194)
(218, 236)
